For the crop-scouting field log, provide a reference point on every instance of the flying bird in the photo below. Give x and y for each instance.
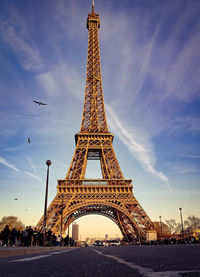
(29, 140)
(16, 199)
(39, 103)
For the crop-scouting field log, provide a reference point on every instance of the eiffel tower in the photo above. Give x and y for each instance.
(112, 195)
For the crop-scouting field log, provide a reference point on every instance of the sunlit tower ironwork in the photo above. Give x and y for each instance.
(111, 196)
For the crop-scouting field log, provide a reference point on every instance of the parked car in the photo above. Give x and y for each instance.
(114, 242)
(98, 243)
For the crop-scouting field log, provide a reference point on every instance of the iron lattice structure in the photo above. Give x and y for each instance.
(112, 195)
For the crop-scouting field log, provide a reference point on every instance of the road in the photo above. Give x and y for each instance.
(151, 261)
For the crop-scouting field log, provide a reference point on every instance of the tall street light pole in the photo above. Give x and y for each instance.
(180, 209)
(48, 163)
(68, 234)
(160, 227)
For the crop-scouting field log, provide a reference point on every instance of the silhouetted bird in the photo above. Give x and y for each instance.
(16, 199)
(29, 140)
(39, 103)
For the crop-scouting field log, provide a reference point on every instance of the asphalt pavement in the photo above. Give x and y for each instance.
(151, 261)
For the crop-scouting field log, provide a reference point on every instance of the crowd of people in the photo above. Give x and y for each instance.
(174, 240)
(31, 237)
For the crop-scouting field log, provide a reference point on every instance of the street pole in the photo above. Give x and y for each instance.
(48, 163)
(61, 227)
(68, 234)
(160, 227)
(181, 222)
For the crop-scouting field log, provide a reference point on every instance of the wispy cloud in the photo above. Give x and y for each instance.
(63, 12)
(9, 116)
(8, 164)
(33, 176)
(60, 164)
(192, 156)
(27, 53)
(17, 148)
(51, 120)
(31, 163)
(61, 79)
(157, 67)
(13, 167)
(143, 153)
(184, 169)
(187, 123)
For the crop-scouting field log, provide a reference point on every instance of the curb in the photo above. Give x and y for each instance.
(24, 251)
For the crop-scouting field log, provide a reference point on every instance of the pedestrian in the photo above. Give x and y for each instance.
(66, 240)
(1, 238)
(19, 237)
(58, 239)
(54, 240)
(35, 236)
(25, 237)
(49, 237)
(30, 235)
(40, 238)
(13, 236)
(6, 233)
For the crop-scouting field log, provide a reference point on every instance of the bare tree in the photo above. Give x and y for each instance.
(11, 221)
(173, 226)
(192, 222)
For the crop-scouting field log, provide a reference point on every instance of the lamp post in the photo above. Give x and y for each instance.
(61, 227)
(48, 163)
(160, 227)
(68, 234)
(180, 209)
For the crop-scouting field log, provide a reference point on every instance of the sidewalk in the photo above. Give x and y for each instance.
(17, 251)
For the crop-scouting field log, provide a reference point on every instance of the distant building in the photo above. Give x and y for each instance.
(162, 229)
(106, 236)
(75, 232)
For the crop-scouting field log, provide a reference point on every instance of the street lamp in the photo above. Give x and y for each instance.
(181, 222)
(48, 163)
(68, 231)
(160, 227)
(61, 227)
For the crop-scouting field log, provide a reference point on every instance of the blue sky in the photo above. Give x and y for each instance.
(150, 62)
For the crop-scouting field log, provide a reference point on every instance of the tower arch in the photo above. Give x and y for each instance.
(116, 213)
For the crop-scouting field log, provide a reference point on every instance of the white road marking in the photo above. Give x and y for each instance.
(61, 251)
(30, 258)
(145, 270)
(39, 256)
(54, 253)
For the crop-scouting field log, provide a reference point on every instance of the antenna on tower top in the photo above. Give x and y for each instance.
(92, 6)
